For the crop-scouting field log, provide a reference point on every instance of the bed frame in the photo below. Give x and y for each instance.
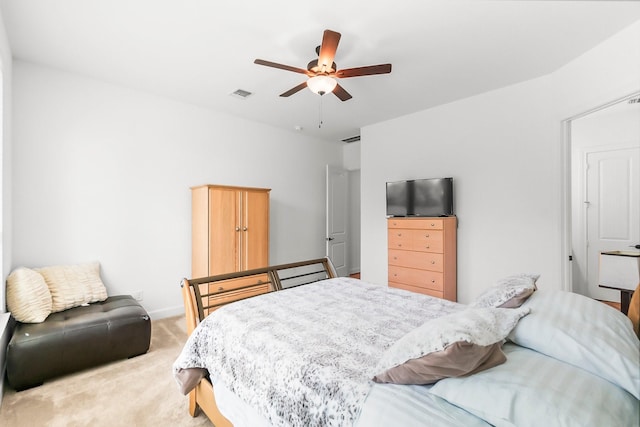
(204, 295)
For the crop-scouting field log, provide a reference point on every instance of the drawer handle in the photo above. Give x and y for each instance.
(426, 235)
(433, 224)
(399, 245)
(395, 274)
(433, 262)
(433, 281)
(221, 288)
(395, 257)
(399, 234)
(427, 246)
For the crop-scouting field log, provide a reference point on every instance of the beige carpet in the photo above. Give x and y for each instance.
(136, 392)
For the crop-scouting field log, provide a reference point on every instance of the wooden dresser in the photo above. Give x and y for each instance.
(230, 233)
(422, 255)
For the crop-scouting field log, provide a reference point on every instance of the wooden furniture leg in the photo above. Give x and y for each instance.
(193, 405)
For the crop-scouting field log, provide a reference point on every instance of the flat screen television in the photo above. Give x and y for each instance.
(420, 197)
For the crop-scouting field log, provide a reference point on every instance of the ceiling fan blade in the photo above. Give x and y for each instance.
(294, 90)
(341, 93)
(328, 48)
(364, 71)
(281, 66)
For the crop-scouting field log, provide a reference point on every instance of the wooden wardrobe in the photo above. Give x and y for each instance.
(230, 229)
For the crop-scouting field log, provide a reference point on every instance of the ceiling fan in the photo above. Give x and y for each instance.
(322, 72)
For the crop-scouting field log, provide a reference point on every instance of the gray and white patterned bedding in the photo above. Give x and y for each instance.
(306, 356)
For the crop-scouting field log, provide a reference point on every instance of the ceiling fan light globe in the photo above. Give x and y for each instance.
(321, 84)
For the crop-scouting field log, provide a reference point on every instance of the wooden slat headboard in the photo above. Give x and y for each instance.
(203, 295)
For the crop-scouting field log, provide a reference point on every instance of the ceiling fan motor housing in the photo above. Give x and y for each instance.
(319, 69)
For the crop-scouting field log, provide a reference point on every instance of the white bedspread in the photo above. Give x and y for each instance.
(305, 356)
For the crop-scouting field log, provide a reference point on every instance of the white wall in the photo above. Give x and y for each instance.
(505, 151)
(490, 145)
(5, 159)
(354, 222)
(5, 189)
(352, 156)
(351, 160)
(102, 173)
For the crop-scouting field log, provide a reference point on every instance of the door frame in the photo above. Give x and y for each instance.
(566, 207)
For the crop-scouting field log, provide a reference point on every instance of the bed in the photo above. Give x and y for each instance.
(321, 350)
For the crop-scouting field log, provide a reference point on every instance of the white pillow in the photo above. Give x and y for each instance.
(73, 285)
(583, 332)
(510, 292)
(28, 297)
(532, 389)
(457, 344)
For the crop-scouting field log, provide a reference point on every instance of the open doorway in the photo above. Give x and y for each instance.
(343, 220)
(604, 151)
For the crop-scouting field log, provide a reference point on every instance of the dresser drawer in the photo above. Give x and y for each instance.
(416, 260)
(417, 289)
(397, 223)
(415, 240)
(232, 296)
(420, 278)
(435, 262)
(416, 223)
(429, 224)
(400, 239)
(427, 240)
(241, 282)
(408, 258)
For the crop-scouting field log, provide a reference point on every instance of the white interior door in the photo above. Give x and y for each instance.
(613, 209)
(337, 218)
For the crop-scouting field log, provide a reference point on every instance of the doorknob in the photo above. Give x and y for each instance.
(329, 239)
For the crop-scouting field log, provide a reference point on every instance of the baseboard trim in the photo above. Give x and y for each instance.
(167, 312)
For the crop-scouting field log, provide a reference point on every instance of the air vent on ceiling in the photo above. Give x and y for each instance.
(352, 139)
(241, 93)
(634, 101)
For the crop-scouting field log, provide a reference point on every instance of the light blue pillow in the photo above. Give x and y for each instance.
(532, 389)
(583, 332)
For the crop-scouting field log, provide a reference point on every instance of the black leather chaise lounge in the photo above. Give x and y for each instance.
(76, 339)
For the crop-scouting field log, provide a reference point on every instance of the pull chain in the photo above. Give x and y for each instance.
(320, 114)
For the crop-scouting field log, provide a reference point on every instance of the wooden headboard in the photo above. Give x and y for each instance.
(204, 295)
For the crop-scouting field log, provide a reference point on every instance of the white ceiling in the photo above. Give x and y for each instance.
(200, 51)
